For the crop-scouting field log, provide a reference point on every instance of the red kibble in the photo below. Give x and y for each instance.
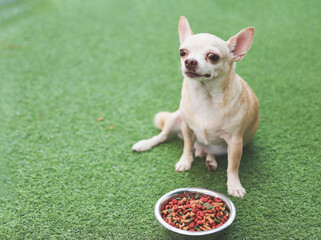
(199, 222)
(180, 211)
(191, 225)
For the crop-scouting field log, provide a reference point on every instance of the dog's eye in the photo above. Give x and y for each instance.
(214, 57)
(182, 52)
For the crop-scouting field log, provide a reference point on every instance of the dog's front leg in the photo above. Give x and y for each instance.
(234, 187)
(185, 162)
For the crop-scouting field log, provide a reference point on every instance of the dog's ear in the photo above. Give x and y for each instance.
(241, 43)
(184, 30)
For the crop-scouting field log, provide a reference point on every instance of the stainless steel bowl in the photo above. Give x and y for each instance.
(175, 233)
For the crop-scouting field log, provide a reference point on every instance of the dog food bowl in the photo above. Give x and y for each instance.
(176, 233)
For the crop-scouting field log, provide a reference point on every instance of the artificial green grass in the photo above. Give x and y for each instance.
(63, 64)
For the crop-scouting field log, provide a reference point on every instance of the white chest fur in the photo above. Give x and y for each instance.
(205, 112)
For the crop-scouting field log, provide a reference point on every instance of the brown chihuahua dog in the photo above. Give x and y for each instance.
(218, 113)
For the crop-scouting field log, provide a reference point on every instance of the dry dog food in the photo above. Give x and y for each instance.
(195, 212)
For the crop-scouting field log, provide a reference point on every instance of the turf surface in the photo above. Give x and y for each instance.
(63, 64)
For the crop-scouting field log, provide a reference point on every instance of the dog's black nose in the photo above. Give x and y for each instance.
(190, 64)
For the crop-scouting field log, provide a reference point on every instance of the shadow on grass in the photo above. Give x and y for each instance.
(249, 155)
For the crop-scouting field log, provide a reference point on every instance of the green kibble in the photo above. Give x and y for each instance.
(197, 196)
(181, 213)
(217, 221)
(169, 210)
(170, 215)
(190, 209)
(208, 207)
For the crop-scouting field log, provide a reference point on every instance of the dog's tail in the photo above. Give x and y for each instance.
(160, 119)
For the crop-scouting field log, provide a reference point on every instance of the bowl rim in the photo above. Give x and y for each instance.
(171, 194)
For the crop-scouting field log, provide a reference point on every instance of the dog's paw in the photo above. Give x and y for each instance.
(184, 164)
(211, 164)
(236, 191)
(141, 146)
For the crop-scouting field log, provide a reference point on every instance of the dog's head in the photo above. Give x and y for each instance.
(205, 56)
